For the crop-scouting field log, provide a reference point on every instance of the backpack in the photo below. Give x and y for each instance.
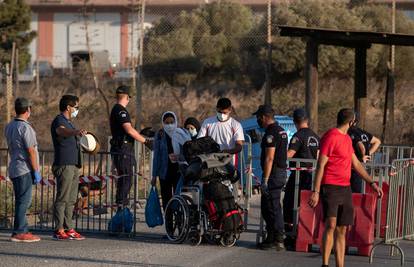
(222, 208)
(204, 145)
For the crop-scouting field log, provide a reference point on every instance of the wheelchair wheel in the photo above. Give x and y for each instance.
(228, 239)
(177, 219)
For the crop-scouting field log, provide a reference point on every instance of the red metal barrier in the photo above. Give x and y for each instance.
(360, 236)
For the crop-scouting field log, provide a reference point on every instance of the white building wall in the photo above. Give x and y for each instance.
(33, 44)
(104, 31)
(134, 31)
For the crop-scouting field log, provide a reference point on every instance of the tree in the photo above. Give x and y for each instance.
(15, 20)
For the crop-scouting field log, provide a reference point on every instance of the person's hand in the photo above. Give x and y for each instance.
(154, 181)
(366, 158)
(378, 190)
(36, 177)
(81, 132)
(173, 157)
(264, 187)
(314, 199)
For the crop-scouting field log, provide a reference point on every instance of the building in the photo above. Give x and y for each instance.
(112, 26)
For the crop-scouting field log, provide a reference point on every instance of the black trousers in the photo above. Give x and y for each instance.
(270, 205)
(305, 183)
(168, 187)
(124, 160)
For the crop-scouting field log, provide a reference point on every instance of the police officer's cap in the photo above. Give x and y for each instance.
(264, 110)
(123, 89)
(22, 103)
(299, 114)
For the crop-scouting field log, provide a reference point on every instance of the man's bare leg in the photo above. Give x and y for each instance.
(328, 239)
(340, 245)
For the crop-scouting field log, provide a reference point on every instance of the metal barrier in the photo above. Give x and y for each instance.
(301, 165)
(97, 187)
(386, 154)
(400, 210)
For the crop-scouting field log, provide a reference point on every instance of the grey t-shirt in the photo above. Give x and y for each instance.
(20, 136)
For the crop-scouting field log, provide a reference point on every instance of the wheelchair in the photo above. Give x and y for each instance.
(189, 218)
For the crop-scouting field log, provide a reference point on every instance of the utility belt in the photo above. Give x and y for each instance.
(119, 142)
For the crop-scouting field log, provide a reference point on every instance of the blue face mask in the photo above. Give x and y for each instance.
(74, 113)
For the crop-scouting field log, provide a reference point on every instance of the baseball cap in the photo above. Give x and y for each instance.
(299, 114)
(264, 109)
(22, 102)
(123, 89)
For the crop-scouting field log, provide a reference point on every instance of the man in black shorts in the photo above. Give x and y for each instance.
(333, 173)
(365, 145)
(303, 145)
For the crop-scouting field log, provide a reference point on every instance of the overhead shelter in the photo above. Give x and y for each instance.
(358, 40)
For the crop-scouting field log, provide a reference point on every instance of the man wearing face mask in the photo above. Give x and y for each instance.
(273, 162)
(66, 165)
(223, 129)
(192, 125)
(122, 144)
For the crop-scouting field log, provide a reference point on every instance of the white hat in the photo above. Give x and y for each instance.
(90, 143)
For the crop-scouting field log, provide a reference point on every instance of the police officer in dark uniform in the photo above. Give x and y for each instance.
(122, 144)
(273, 162)
(303, 145)
(365, 145)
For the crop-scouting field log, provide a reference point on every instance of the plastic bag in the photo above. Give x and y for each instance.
(122, 221)
(153, 214)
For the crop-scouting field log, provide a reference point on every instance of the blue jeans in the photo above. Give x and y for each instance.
(22, 186)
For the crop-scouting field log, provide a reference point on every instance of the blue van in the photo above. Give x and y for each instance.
(254, 134)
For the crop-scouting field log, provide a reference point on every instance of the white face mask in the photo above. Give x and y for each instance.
(74, 113)
(222, 116)
(169, 128)
(193, 132)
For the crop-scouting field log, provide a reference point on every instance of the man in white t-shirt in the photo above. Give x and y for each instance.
(225, 130)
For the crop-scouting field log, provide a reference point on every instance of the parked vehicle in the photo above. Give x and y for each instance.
(45, 69)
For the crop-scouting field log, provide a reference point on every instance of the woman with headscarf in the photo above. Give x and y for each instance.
(168, 144)
(192, 125)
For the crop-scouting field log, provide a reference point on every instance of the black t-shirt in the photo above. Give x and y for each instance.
(359, 135)
(119, 116)
(275, 136)
(67, 149)
(306, 144)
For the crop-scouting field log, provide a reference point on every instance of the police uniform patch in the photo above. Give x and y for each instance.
(123, 114)
(269, 139)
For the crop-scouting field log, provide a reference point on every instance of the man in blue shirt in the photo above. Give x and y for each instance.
(23, 167)
(66, 165)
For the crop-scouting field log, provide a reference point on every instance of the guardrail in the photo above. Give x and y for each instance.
(400, 210)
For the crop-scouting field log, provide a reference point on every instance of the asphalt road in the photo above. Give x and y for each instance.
(149, 248)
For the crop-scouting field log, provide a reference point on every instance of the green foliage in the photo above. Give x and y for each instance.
(15, 19)
(226, 40)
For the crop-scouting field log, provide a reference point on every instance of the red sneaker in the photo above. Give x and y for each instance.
(60, 235)
(73, 235)
(25, 237)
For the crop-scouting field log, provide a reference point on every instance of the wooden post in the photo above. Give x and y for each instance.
(311, 76)
(360, 84)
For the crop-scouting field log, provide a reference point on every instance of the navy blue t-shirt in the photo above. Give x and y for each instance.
(67, 149)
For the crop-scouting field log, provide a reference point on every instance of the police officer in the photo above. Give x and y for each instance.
(303, 145)
(365, 145)
(122, 144)
(273, 162)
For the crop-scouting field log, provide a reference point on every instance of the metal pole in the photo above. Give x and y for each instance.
(139, 69)
(268, 92)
